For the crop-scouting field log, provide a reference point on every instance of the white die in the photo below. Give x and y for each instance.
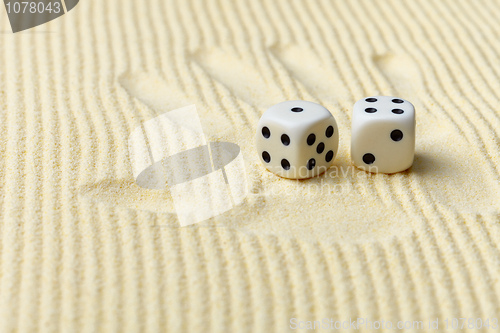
(383, 134)
(297, 139)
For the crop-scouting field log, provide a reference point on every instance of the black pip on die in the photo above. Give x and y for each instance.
(297, 139)
(383, 134)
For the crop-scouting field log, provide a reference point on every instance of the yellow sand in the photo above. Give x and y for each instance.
(85, 249)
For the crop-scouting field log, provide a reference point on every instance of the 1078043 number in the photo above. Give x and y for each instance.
(33, 7)
(471, 323)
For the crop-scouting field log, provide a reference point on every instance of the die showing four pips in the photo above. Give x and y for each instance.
(299, 139)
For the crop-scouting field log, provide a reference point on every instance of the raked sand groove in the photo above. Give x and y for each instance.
(83, 248)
